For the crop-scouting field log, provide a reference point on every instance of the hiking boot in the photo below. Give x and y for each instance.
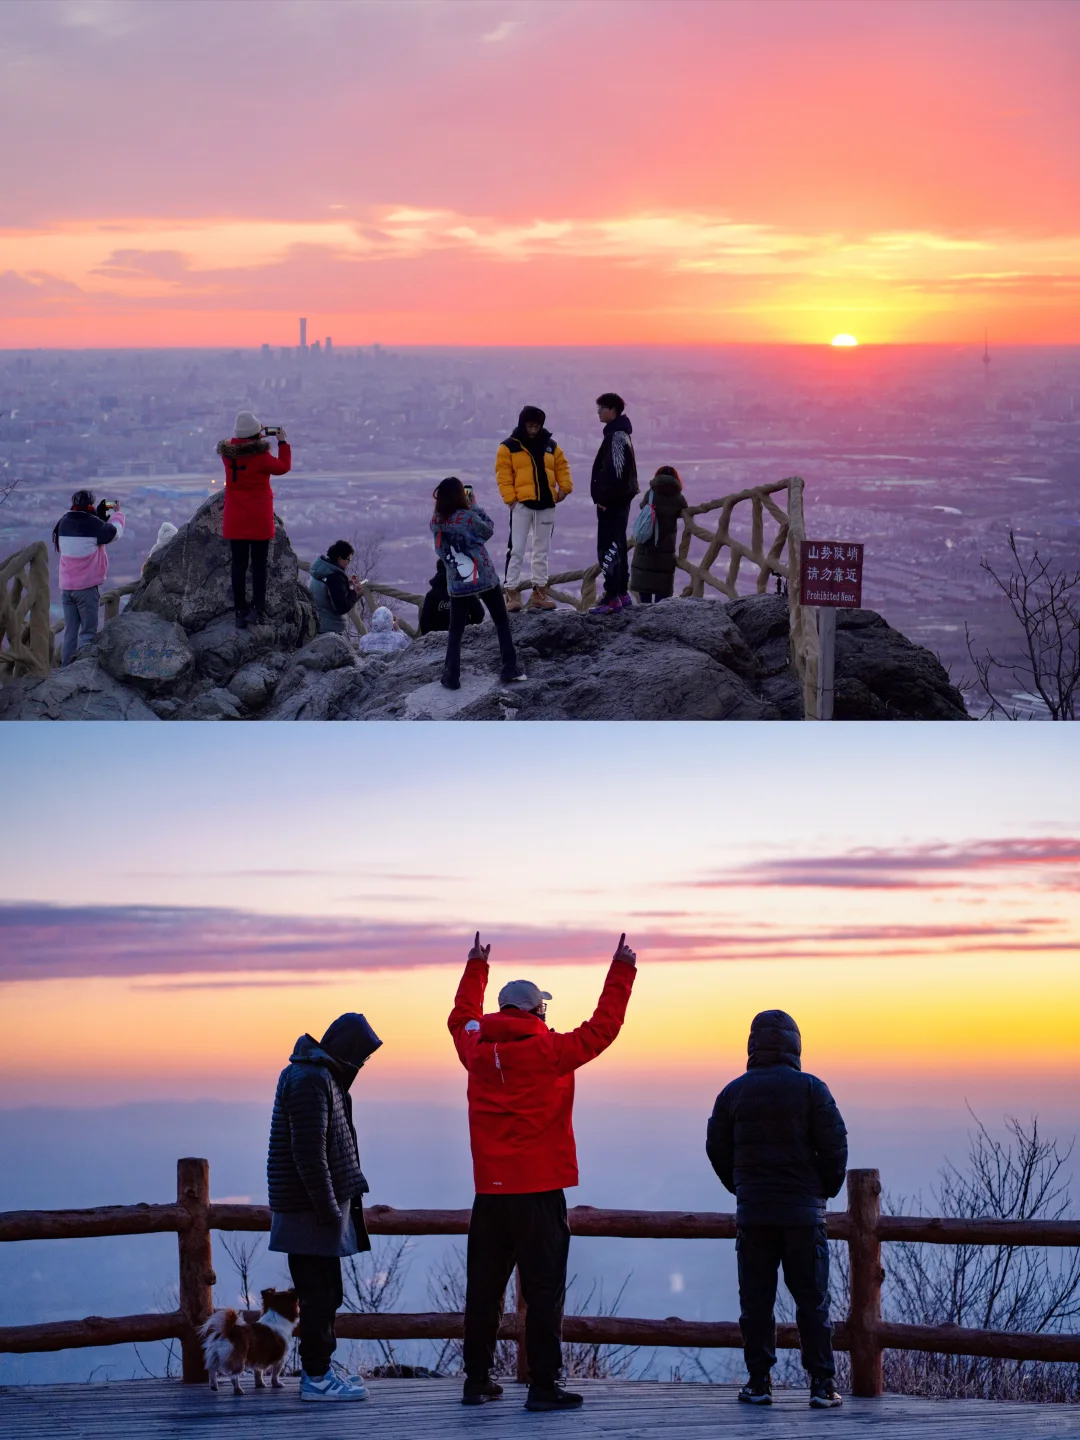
(513, 602)
(479, 1392)
(540, 599)
(757, 1391)
(241, 618)
(824, 1395)
(449, 682)
(625, 602)
(510, 673)
(552, 1397)
(609, 605)
(331, 1387)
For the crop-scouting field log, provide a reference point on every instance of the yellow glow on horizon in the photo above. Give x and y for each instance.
(844, 342)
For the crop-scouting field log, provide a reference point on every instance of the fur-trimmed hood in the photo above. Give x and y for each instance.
(235, 449)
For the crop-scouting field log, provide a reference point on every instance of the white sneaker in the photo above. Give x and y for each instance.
(331, 1387)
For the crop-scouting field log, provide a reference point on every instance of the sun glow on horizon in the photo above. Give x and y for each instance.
(843, 342)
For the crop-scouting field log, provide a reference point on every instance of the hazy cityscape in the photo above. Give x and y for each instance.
(927, 455)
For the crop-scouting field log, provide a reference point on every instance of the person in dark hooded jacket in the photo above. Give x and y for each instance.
(652, 572)
(614, 485)
(777, 1140)
(316, 1189)
(333, 589)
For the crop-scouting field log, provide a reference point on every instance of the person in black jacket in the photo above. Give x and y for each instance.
(614, 485)
(316, 1189)
(435, 611)
(776, 1139)
(333, 589)
(652, 573)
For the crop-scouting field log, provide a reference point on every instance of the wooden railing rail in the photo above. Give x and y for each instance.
(25, 645)
(864, 1334)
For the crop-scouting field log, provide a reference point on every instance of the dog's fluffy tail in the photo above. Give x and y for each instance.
(221, 1326)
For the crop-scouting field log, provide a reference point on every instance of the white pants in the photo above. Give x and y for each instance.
(523, 522)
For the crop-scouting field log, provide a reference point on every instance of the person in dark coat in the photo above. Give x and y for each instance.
(777, 1140)
(333, 589)
(316, 1189)
(613, 486)
(652, 572)
(435, 611)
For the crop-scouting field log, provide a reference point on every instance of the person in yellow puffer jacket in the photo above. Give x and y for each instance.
(533, 477)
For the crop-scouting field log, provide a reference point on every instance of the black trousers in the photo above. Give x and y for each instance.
(317, 1280)
(611, 523)
(803, 1251)
(530, 1231)
(259, 551)
(459, 618)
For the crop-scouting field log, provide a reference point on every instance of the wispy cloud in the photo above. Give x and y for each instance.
(1044, 860)
(39, 942)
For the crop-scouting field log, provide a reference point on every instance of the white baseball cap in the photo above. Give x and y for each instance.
(522, 994)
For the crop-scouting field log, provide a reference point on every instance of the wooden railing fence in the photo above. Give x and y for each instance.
(32, 646)
(864, 1334)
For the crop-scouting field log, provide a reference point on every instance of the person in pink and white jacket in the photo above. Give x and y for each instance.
(80, 538)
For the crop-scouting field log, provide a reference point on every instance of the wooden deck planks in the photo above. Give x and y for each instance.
(402, 1409)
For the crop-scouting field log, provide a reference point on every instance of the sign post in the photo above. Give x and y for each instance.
(830, 579)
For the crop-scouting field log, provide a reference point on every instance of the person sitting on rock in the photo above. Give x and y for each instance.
(652, 570)
(778, 1142)
(435, 611)
(248, 522)
(460, 528)
(79, 538)
(333, 589)
(384, 637)
(166, 531)
(533, 476)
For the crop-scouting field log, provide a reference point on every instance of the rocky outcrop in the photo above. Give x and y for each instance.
(175, 654)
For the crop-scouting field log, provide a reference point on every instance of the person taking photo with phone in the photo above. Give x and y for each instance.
(521, 1104)
(79, 538)
(248, 522)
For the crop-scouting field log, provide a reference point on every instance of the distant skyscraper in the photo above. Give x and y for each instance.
(986, 354)
(303, 332)
(329, 345)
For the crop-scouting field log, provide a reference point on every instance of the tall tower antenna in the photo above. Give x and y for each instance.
(986, 354)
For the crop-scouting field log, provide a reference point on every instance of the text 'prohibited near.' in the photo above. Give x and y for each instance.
(830, 573)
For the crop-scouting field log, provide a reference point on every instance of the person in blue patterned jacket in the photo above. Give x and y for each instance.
(460, 528)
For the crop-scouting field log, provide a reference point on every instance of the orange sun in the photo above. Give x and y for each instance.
(844, 341)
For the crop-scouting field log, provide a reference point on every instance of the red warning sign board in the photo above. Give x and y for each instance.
(830, 573)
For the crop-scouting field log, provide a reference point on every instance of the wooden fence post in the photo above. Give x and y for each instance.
(864, 1250)
(196, 1261)
(522, 1353)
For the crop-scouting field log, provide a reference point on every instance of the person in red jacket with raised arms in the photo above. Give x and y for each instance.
(521, 1101)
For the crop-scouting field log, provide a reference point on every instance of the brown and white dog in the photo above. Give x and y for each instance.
(231, 1345)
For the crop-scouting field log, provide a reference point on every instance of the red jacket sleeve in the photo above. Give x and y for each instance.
(280, 464)
(468, 1003)
(591, 1039)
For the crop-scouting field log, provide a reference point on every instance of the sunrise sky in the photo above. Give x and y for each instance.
(201, 172)
(174, 918)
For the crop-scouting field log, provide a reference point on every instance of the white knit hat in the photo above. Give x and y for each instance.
(247, 427)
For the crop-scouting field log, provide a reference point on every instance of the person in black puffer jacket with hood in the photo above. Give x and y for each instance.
(652, 573)
(316, 1189)
(613, 486)
(777, 1140)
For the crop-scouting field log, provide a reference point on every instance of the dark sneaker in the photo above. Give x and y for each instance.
(553, 1398)
(824, 1395)
(450, 682)
(756, 1391)
(625, 602)
(609, 605)
(241, 617)
(479, 1392)
(511, 673)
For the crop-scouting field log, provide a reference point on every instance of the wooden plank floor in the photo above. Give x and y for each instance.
(614, 1410)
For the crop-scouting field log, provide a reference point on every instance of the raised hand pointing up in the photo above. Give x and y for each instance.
(624, 952)
(478, 951)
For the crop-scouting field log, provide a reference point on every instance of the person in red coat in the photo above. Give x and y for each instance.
(521, 1101)
(248, 523)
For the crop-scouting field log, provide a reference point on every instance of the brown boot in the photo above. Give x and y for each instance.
(540, 599)
(513, 601)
